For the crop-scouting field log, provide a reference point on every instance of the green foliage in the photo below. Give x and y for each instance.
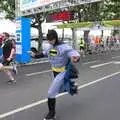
(98, 11)
(9, 7)
(110, 9)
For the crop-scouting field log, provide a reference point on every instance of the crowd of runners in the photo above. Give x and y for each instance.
(99, 45)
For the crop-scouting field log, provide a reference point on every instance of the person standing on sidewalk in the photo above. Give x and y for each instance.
(8, 48)
(59, 54)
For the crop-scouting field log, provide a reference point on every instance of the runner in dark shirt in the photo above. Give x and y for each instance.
(8, 46)
(8, 55)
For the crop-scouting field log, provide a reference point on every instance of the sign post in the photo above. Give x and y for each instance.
(22, 40)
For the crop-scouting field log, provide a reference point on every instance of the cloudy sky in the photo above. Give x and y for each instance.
(7, 26)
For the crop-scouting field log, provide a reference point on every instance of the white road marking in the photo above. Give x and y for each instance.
(90, 62)
(116, 57)
(99, 65)
(45, 100)
(39, 62)
(116, 62)
(37, 73)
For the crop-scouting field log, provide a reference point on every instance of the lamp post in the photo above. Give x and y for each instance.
(17, 8)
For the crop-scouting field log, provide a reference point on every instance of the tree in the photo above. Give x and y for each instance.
(37, 20)
(88, 12)
(9, 7)
(111, 9)
(111, 12)
(98, 11)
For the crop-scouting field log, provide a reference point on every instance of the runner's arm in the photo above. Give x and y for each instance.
(72, 53)
(12, 53)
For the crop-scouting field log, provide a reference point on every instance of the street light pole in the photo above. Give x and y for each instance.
(17, 8)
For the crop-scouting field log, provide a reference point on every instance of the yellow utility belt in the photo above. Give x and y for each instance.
(58, 69)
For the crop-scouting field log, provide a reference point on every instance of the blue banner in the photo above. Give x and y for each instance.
(23, 40)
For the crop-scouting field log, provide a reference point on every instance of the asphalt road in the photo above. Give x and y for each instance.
(98, 97)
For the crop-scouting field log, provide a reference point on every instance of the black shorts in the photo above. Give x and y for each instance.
(82, 48)
(6, 63)
(55, 73)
